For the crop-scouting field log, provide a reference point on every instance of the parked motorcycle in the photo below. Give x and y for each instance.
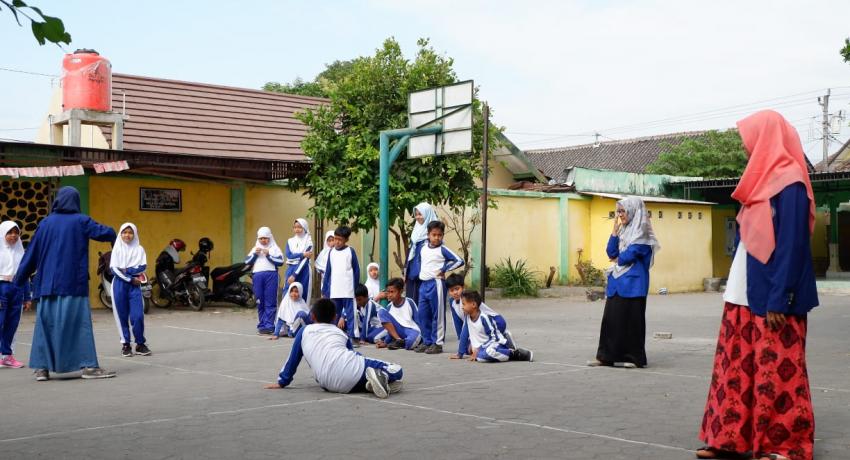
(186, 285)
(226, 281)
(105, 286)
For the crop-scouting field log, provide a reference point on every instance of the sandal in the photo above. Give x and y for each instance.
(708, 452)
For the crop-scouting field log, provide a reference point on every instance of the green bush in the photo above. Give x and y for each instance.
(515, 279)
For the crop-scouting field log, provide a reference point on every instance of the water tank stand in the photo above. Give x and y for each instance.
(76, 118)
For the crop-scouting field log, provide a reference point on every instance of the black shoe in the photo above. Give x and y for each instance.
(265, 332)
(420, 348)
(521, 354)
(41, 375)
(434, 349)
(143, 349)
(396, 344)
(126, 350)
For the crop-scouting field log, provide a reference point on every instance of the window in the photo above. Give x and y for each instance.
(699, 215)
(649, 213)
(690, 215)
(611, 215)
(680, 214)
(660, 214)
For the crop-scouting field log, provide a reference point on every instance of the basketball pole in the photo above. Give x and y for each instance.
(387, 158)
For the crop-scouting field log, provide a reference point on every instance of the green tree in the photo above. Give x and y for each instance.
(367, 95)
(46, 29)
(715, 154)
(321, 86)
(845, 52)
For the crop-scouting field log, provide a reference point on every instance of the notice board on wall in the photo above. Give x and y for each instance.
(160, 199)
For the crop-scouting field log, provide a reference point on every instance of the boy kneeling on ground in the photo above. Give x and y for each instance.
(481, 338)
(336, 366)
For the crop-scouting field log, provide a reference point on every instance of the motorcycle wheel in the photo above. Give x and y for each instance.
(248, 295)
(195, 299)
(147, 302)
(159, 298)
(105, 299)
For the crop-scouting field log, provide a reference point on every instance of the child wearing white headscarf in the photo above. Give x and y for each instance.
(299, 250)
(372, 282)
(127, 262)
(265, 257)
(12, 298)
(293, 314)
(423, 214)
(322, 258)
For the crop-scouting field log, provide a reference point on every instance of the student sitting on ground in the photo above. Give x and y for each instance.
(454, 283)
(398, 318)
(481, 338)
(336, 366)
(293, 313)
(369, 325)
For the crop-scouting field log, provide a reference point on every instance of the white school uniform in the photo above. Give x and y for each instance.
(335, 367)
(342, 273)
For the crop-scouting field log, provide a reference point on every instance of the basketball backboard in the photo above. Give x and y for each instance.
(450, 105)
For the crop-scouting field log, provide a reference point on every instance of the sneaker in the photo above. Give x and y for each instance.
(265, 332)
(41, 375)
(126, 350)
(376, 382)
(396, 344)
(434, 349)
(10, 361)
(521, 354)
(597, 363)
(143, 349)
(420, 348)
(626, 365)
(395, 387)
(97, 373)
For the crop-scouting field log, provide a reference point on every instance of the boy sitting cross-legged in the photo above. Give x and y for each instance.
(481, 338)
(398, 318)
(336, 366)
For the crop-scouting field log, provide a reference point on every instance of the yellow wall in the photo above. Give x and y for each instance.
(206, 212)
(579, 234)
(524, 228)
(685, 258)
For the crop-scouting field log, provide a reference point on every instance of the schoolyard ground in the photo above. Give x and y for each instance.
(200, 395)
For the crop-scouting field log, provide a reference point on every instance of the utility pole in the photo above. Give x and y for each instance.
(824, 102)
(484, 173)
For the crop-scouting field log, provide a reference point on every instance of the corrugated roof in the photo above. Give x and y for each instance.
(838, 161)
(208, 120)
(628, 155)
(648, 199)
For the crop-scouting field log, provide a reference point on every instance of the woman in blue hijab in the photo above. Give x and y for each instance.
(63, 340)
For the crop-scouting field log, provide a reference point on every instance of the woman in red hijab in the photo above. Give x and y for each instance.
(759, 405)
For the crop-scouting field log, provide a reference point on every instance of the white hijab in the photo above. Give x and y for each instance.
(637, 231)
(288, 307)
(373, 284)
(10, 256)
(126, 255)
(303, 242)
(272, 247)
(420, 231)
(322, 258)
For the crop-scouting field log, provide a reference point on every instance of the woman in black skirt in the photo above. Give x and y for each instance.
(631, 248)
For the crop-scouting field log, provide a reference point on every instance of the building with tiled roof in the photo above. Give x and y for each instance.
(838, 161)
(627, 155)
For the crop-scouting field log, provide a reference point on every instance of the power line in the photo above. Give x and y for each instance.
(18, 129)
(29, 73)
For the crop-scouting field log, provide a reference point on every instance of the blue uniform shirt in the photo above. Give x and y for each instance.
(635, 282)
(786, 283)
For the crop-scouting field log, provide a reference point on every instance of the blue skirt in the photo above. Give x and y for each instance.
(63, 339)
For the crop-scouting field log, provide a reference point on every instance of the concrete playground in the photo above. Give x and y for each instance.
(200, 394)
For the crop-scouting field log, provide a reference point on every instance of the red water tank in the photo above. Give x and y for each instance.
(86, 81)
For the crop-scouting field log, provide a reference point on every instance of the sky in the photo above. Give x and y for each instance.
(555, 73)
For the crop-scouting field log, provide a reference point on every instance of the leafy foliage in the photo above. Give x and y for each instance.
(845, 52)
(716, 154)
(47, 29)
(514, 278)
(590, 275)
(321, 86)
(369, 94)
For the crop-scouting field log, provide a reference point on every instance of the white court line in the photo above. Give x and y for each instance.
(528, 424)
(670, 374)
(162, 420)
(500, 379)
(213, 332)
(190, 371)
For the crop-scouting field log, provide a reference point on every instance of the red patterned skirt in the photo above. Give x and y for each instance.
(759, 398)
